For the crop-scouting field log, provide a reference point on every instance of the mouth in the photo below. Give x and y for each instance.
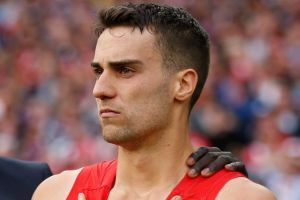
(108, 113)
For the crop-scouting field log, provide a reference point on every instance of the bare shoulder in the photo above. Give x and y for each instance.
(243, 188)
(57, 186)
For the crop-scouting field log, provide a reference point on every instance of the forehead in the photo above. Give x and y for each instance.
(125, 43)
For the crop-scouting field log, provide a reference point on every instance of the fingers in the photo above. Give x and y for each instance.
(195, 156)
(237, 166)
(208, 160)
(81, 196)
(221, 160)
(209, 163)
(176, 198)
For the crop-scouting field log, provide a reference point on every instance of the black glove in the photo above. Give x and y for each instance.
(208, 160)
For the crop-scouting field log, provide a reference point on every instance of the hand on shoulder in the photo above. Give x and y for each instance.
(243, 188)
(61, 183)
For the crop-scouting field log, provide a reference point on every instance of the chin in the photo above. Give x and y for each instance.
(118, 136)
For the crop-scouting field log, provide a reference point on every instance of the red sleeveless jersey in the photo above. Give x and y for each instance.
(97, 180)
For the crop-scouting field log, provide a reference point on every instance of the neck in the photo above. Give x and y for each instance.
(159, 166)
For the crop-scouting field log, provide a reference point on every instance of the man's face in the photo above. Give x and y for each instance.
(132, 90)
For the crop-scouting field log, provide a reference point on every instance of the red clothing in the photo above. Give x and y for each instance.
(97, 180)
(94, 181)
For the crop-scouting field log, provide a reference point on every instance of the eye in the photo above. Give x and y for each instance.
(125, 71)
(98, 72)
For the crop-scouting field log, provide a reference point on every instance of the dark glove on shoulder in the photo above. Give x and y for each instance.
(208, 160)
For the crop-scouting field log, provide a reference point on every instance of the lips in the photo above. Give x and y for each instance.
(108, 113)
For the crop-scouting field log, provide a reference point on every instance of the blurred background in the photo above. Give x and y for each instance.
(250, 105)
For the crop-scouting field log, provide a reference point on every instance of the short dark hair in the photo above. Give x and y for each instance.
(183, 42)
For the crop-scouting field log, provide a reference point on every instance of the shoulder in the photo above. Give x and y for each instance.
(67, 183)
(60, 183)
(204, 187)
(243, 188)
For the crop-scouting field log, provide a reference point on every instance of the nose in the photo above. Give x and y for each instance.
(103, 88)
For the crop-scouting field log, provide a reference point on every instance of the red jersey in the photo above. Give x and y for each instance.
(97, 180)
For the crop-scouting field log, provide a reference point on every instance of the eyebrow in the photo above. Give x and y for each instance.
(118, 63)
(95, 65)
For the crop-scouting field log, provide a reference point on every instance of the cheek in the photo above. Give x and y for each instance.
(150, 105)
(136, 94)
(145, 97)
(149, 96)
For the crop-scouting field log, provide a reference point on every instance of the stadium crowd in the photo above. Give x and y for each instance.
(250, 105)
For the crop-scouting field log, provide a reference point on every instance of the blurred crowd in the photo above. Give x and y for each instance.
(250, 104)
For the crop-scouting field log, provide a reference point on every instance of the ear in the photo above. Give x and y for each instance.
(185, 84)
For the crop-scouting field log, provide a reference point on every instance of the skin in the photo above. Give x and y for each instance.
(140, 107)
